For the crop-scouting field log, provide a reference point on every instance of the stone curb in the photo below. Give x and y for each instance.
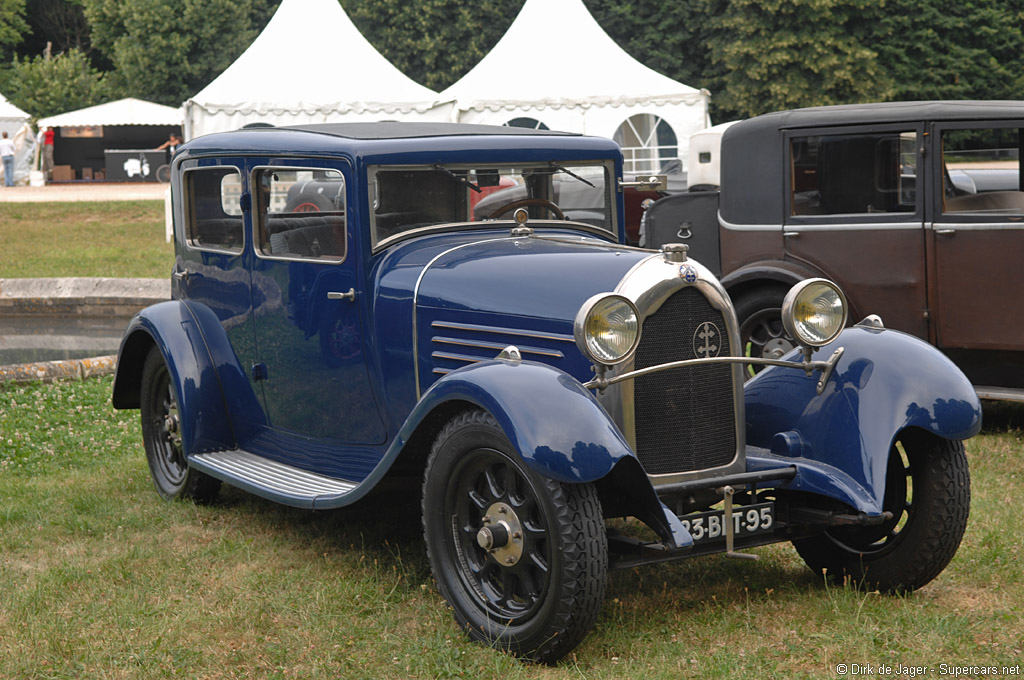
(81, 296)
(51, 371)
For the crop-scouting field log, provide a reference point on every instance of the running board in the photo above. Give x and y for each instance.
(270, 479)
(1000, 393)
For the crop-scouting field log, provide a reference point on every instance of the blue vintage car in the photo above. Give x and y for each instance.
(342, 311)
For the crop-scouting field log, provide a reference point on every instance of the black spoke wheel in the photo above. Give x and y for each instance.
(161, 433)
(521, 559)
(761, 332)
(928, 493)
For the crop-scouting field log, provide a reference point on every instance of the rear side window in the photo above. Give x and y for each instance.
(854, 174)
(981, 172)
(213, 215)
(301, 214)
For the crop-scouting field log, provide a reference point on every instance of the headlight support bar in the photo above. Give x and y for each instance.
(826, 367)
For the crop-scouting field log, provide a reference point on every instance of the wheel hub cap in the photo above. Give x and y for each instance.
(502, 534)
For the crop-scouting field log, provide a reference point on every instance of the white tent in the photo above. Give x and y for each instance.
(556, 67)
(121, 112)
(15, 123)
(11, 117)
(309, 65)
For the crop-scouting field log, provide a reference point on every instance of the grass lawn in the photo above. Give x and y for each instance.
(103, 579)
(118, 239)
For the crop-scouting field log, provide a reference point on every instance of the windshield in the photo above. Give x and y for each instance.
(413, 197)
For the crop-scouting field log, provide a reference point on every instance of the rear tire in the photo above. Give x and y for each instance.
(761, 332)
(539, 591)
(161, 433)
(928, 490)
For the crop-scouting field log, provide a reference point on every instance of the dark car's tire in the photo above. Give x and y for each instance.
(309, 203)
(161, 434)
(761, 332)
(928, 490)
(539, 594)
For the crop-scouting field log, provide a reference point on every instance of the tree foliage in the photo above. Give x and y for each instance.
(45, 86)
(434, 42)
(12, 25)
(167, 50)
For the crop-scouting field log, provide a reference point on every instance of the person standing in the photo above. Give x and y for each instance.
(47, 153)
(7, 156)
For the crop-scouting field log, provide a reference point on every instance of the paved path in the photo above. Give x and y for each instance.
(85, 191)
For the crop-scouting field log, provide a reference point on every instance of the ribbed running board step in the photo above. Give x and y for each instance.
(271, 479)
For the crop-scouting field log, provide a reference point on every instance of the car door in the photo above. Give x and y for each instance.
(210, 271)
(854, 211)
(978, 235)
(308, 303)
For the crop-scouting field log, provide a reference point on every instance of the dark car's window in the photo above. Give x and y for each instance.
(854, 174)
(301, 213)
(408, 198)
(213, 216)
(981, 172)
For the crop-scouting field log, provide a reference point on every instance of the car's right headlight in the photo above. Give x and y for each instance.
(814, 312)
(607, 328)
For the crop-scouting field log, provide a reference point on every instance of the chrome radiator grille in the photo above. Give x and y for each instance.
(685, 417)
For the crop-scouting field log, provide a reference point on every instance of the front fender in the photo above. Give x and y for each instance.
(885, 382)
(558, 428)
(202, 367)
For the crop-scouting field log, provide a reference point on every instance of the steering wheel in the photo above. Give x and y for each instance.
(522, 203)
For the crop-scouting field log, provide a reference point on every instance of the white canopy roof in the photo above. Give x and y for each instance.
(11, 117)
(121, 112)
(310, 64)
(557, 65)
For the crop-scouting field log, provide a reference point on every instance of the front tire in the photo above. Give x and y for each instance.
(536, 590)
(161, 433)
(928, 490)
(761, 332)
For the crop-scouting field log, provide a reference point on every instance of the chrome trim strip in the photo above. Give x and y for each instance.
(415, 305)
(459, 357)
(978, 226)
(747, 227)
(503, 331)
(845, 226)
(499, 346)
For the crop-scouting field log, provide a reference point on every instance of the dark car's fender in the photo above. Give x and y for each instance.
(885, 382)
(209, 381)
(558, 428)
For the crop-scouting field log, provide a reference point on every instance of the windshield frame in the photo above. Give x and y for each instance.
(566, 169)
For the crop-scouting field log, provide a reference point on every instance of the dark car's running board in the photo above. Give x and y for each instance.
(270, 479)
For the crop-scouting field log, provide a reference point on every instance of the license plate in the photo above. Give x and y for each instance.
(747, 520)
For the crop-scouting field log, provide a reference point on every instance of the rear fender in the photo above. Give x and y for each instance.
(885, 382)
(558, 428)
(202, 367)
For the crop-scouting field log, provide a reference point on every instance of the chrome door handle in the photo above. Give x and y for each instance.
(945, 232)
(791, 234)
(350, 295)
(181, 275)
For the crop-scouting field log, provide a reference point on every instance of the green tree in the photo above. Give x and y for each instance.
(769, 55)
(12, 26)
(45, 86)
(167, 50)
(669, 36)
(435, 42)
(964, 50)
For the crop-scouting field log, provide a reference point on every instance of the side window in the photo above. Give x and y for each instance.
(213, 216)
(854, 174)
(981, 172)
(301, 214)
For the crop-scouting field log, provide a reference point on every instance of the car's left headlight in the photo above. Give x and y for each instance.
(607, 328)
(814, 312)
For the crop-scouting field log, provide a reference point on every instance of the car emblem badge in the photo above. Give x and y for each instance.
(706, 341)
(688, 273)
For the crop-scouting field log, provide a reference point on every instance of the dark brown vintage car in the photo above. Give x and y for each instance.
(916, 209)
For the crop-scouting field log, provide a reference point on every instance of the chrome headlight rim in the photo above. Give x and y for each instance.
(589, 345)
(801, 292)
